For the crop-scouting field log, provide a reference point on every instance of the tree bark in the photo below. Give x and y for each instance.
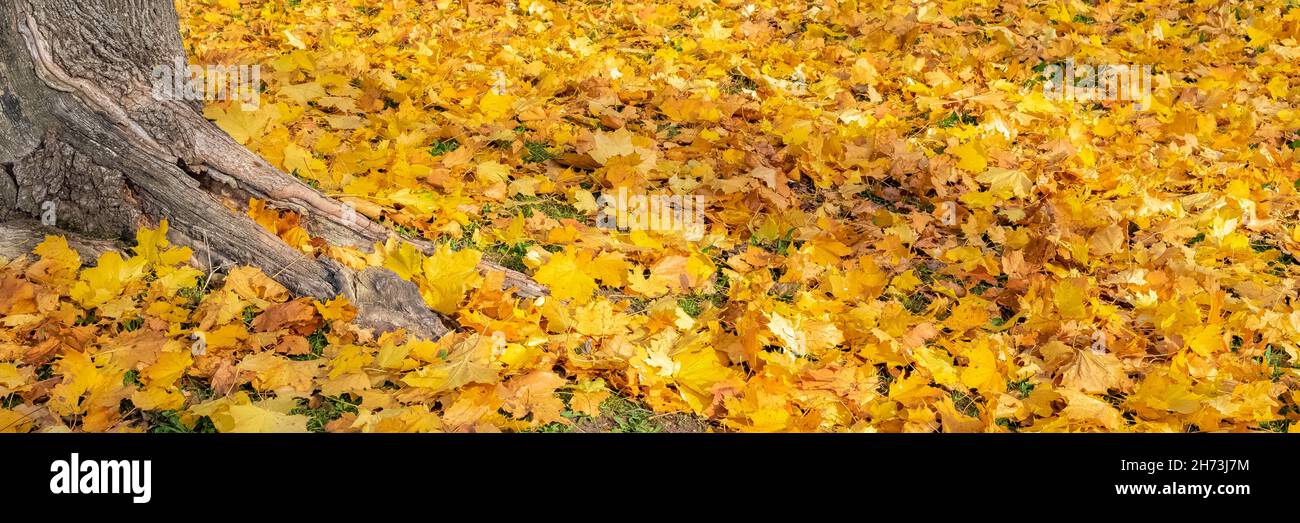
(83, 132)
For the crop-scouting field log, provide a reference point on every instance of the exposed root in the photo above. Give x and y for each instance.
(114, 158)
(19, 237)
(232, 171)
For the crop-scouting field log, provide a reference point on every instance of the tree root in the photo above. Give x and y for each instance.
(82, 132)
(19, 237)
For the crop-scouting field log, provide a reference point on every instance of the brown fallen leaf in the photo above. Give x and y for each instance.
(298, 316)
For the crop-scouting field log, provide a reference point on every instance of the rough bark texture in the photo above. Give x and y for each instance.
(83, 132)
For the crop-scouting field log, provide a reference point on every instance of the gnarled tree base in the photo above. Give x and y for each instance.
(83, 136)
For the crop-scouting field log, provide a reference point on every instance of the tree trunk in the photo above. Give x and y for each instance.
(83, 135)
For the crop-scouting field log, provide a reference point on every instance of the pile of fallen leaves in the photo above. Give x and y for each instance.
(1110, 268)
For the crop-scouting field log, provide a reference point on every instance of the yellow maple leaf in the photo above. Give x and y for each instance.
(240, 124)
(1071, 301)
(448, 275)
(58, 264)
(494, 106)
(566, 278)
(697, 371)
(1007, 182)
(1092, 372)
(981, 370)
(167, 370)
(534, 394)
(938, 363)
(1204, 339)
(338, 308)
(469, 361)
(588, 396)
(255, 419)
(152, 244)
(970, 156)
(401, 258)
(252, 284)
(157, 398)
(107, 279)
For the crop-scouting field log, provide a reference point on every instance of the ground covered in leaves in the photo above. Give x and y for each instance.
(1110, 268)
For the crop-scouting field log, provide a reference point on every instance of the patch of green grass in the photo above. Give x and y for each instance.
(330, 409)
(1038, 76)
(885, 378)
(313, 183)
(721, 289)
(965, 403)
(1278, 260)
(199, 391)
(693, 304)
(737, 82)
(636, 304)
(1277, 425)
(440, 148)
(1022, 387)
(11, 401)
(556, 427)
(690, 305)
(671, 130)
(537, 152)
(510, 256)
(89, 319)
(195, 294)
(629, 416)
(248, 314)
(467, 236)
(132, 324)
(316, 342)
(169, 422)
(404, 230)
(917, 302)
(555, 209)
(977, 21)
(1276, 360)
(876, 199)
(132, 377)
(617, 414)
(777, 246)
(466, 239)
(553, 427)
(955, 118)
(924, 273)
